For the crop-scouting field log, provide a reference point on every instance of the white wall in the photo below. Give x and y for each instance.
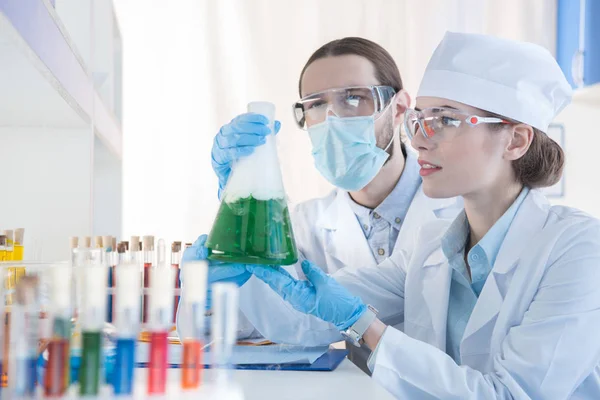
(582, 184)
(107, 192)
(52, 170)
(192, 65)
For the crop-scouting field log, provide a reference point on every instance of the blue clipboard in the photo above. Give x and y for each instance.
(327, 362)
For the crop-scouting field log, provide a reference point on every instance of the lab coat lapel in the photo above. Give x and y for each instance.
(347, 242)
(436, 291)
(528, 222)
(422, 210)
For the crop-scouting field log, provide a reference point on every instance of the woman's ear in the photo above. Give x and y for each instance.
(520, 140)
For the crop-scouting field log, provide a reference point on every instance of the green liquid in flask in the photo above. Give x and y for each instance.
(252, 231)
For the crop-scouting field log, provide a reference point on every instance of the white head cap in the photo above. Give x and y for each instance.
(518, 80)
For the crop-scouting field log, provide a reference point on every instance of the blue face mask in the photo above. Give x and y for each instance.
(346, 152)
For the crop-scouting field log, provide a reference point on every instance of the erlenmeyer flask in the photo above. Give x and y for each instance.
(253, 223)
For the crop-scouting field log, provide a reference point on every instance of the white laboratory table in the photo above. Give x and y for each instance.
(346, 382)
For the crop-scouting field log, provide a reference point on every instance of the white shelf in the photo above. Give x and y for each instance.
(43, 79)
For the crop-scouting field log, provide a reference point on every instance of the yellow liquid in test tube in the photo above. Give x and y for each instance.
(18, 256)
(18, 253)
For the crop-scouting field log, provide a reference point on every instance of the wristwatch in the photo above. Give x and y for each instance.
(355, 333)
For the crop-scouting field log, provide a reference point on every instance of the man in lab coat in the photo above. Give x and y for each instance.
(352, 104)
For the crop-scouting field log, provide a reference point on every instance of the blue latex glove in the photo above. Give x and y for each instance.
(217, 271)
(238, 139)
(320, 295)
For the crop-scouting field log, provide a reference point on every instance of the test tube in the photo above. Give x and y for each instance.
(175, 259)
(11, 279)
(25, 329)
(2, 251)
(2, 327)
(134, 250)
(56, 379)
(107, 243)
(148, 247)
(136, 256)
(10, 243)
(223, 327)
(161, 253)
(92, 316)
(127, 319)
(192, 326)
(123, 257)
(159, 319)
(18, 252)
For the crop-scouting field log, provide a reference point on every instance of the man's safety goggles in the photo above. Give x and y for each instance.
(357, 101)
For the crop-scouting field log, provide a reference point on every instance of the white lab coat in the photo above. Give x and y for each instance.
(329, 235)
(534, 331)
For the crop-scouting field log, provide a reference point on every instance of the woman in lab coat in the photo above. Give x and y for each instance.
(505, 303)
(377, 203)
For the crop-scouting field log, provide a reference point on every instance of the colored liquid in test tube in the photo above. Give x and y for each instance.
(92, 316)
(2, 252)
(192, 314)
(57, 375)
(18, 251)
(148, 246)
(159, 322)
(111, 260)
(127, 320)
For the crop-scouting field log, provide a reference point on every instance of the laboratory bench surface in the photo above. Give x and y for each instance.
(346, 382)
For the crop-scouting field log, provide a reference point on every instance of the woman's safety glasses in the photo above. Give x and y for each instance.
(438, 122)
(357, 101)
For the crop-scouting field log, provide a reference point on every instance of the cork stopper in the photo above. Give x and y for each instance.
(121, 248)
(2, 240)
(10, 236)
(26, 291)
(98, 242)
(126, 243)
(148, 243)
(73, 242)
(175, 247)
(113, 243)
(86, 242)
(19, 235)
(106, 242)
(134, 243)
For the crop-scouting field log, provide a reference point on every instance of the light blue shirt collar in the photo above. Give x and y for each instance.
(483, 255)
(396, 204)
(493, 239)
